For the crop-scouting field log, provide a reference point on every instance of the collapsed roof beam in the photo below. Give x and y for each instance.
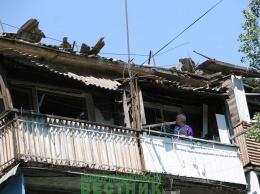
(96, 49)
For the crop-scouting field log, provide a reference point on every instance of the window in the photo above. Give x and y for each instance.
(62, 105)
(22, 98)
(158, 113)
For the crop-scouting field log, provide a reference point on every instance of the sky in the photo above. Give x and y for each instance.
(152, 24)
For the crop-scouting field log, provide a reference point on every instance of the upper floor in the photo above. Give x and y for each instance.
(75, 111)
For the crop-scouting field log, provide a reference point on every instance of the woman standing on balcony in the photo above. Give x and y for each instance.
(180, 128)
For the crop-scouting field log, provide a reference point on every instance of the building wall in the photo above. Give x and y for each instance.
(237, 101)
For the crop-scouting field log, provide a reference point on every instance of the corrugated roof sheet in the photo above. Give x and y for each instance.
(99, 82)
(67, 72)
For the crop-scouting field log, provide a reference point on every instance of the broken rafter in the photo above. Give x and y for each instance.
(96, 49)
(202, 55)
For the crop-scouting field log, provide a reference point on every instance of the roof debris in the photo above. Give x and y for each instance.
(30, 31)
(208, 77)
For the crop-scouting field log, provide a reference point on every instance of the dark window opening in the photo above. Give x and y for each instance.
(194, 119)
(253, 103)
(152, 115)
(2, 105)
(22, 98)
(169, 116)
(62, 105)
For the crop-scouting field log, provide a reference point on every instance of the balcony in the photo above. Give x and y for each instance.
(191, 158)
(46, 140)
(67, 142)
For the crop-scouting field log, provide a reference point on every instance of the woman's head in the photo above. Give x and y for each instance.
(180, 119)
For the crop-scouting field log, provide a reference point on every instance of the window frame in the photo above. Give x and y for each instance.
(57, 90)
(163, 107)
(85, 95)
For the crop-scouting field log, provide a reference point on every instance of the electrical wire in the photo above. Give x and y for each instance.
(184, 30)
(104, 53)
(124, 54)
(173, 48)
(31, 32)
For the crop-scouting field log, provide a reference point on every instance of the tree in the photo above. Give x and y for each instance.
(251, 37)
(251, 48)
(254, 83)
(255, 132)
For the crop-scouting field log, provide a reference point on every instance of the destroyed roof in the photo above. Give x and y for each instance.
(56, 60)
(72, 73)
(212, 66)
(25, 47)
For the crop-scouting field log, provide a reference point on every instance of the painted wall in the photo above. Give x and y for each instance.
(198, 160)
(253, 182)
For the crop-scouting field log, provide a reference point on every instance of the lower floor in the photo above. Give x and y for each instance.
(47, 180)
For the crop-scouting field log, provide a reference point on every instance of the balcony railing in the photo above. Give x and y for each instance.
(63, 141)
(67, 142)
(192, 158)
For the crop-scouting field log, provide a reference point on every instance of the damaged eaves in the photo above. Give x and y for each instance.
(30, 32)
(71, 73)
(213, 66)
(207, 78)
(161, 77)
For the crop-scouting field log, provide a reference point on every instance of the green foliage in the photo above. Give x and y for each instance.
(251, 37)
(254, 83)
(255, 132)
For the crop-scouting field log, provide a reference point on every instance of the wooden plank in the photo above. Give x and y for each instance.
(141, 106)
(241, 141)
(5, 87)
(126, 111)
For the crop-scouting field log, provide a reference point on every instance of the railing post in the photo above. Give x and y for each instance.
(14, 125)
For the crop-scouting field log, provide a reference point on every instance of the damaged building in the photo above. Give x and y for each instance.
(65, 114)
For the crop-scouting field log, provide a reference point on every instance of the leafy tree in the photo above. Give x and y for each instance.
(251, 37)
(251, 48)
(254, 83)
(255, 132)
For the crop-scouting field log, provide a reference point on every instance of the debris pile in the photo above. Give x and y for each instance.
(30, 32)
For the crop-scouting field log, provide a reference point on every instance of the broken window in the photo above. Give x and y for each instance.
(253, 102)
(159, 113)
(22, 98)
(62, 105)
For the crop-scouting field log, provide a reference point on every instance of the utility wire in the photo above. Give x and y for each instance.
(184, 30)
(173, 48)
(104, 53)
(143, 55)
(31, 32)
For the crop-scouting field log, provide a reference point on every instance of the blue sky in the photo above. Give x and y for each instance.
(152, 24)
